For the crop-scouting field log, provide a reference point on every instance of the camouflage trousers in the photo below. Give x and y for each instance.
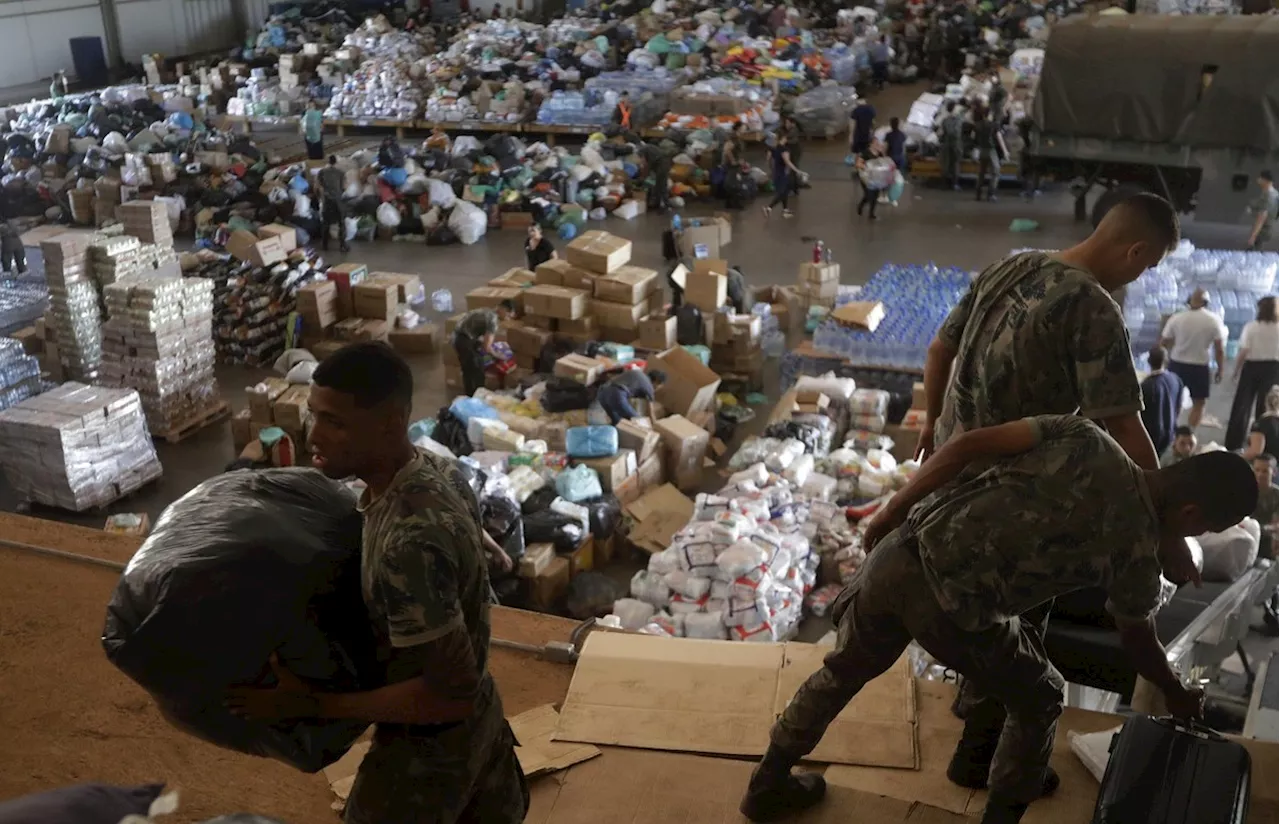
(950, 160)
(888, 604)
(467, 774)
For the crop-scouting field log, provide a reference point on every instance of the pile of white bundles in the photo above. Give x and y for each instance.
(77, 446)
(159, 341)
(389, 82)
(741, 568)
(74, 313)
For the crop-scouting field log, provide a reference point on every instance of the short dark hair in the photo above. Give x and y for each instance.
(1149, 215)
(1182, 432)
(1267, 309)
(333, 160)
(951, 105)
(1157, 357)
(1269, 460)
(509, 305)
(893, 122)
(657, 376)
(371, 372)
(1266, 175)
(1221, 483)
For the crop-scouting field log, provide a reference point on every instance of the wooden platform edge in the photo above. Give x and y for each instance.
(195, 423)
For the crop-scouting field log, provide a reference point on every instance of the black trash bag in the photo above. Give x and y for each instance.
(565, 394)
(81, 804)
(245, 565)
(498, 514)
(807, 434)
(606, 516)
(474, 476)
(452, 433)
(689, 331)
(539, 500)
(514, 544)
(441, 235)
(551, 527)
(591, 594)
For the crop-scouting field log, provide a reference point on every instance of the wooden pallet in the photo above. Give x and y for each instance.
(195, 423)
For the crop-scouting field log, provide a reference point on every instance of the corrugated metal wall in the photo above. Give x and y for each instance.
(34, 36)
(174, 27)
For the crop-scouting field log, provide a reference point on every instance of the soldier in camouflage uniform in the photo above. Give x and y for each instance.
(998, 521)
(951, 140)
(1039, 334)
(442, 750)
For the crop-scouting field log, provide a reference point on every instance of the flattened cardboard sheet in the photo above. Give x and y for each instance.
(538, 754)
(722, 697)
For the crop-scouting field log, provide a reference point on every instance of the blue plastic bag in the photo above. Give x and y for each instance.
(299, 184)
(850, 160)
(567, 231)
(579, 483)
(591, 441)
(467, 408)
(395, 176)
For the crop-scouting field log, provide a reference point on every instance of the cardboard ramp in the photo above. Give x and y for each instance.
(722, 697)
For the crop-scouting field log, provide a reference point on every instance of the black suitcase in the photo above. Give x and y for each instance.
(1166, 772)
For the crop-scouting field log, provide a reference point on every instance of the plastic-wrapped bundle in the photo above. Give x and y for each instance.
(687, 584)
(591, 441)
(578, 483)
(245, 565)
(633, 613)
(782, 457)
(707, 507)
(752, 451)
(825, 109)
(709, 625)
(650, 587)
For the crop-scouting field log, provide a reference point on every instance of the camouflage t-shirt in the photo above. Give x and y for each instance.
(423, 567)
(1072, 512)
(1035, 336)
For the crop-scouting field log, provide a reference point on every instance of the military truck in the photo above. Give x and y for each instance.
(1182, 106)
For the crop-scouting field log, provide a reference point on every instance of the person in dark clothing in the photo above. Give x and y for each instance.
(615, 396)
(554, 350)
(989, 145)
(864, 118)
(473, 340)
(332, 211)
(660, 165)
(537, 249)
(736, 290)
(1161, 400)
(879, 53)
(895, 144)
(1026, 163)
(1264, 434)
(785, 175)
(1255, 372)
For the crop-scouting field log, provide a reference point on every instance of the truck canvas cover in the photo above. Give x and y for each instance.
(1206, 82)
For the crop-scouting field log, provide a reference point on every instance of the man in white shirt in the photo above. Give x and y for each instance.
(1189, 336)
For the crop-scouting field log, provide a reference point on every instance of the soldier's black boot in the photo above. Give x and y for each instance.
(775, 793)
(971, 762)
(1003, 813)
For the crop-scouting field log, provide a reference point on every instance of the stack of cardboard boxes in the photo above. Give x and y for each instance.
(352, 305)
(819, 283)
(159, 341)
(74, 322)
(704, 238)
(147, 220)
(735, 349)
(273, 402)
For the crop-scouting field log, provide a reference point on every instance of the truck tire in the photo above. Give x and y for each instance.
(1110, 198)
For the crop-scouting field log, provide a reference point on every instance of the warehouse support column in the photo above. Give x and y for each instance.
(111, 28)
(240, 21)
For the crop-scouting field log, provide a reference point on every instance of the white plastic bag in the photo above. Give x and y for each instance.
(468, 222)
(388, 216)
(633, 613)
(440, 193)
(1229, 553)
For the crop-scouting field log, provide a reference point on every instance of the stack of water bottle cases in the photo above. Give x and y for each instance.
(1234, 280)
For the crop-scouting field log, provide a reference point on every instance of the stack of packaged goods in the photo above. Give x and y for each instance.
(818, 284)
(624, 297)
(273, 402)
(387, 83)
(159, 341)
(147, 220)
(74, 321)
(736, 351)
(19, 373)
(114, 258)
(719, 103)
(77, 446)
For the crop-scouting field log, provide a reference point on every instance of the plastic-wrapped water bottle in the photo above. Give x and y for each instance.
(442, 301)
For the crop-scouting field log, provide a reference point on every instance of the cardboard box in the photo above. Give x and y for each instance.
(627, 284)
(863, 314)
(819, 272)
(517, 220)
(422, 339)
(514, 277)
(347, 276)
(240, 436)
(638, 436)
(318, 304)
(658, 514)
(686, 445)
(584, 326)
(628, 491)
(784, 304)
(551, 273)
(657, 333)
(652, 472)
(287, 234)
(575, 277)
(582, 558)
(613, 470)
(825, 290)
(290, 409)
(410, 287)
(536, 559)
(375, 299)
(489, 297)
(548, 587)
(262, 397)
(245, 245)
(327, 347)
(618, 315)
(556, 302)
(707, 289)
(599, 252)
(724, 222)
(527, 340)
(699, 242)
(541, 322)
(580, 368)
(690, 386)
(358, 330)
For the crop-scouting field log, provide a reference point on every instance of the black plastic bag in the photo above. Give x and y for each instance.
(81, 804)
(539, 500)
(452, 433)
(245, 565)
(550, 527)
(498, 514)
(606, 516)
(565, 394)
(689, 329)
